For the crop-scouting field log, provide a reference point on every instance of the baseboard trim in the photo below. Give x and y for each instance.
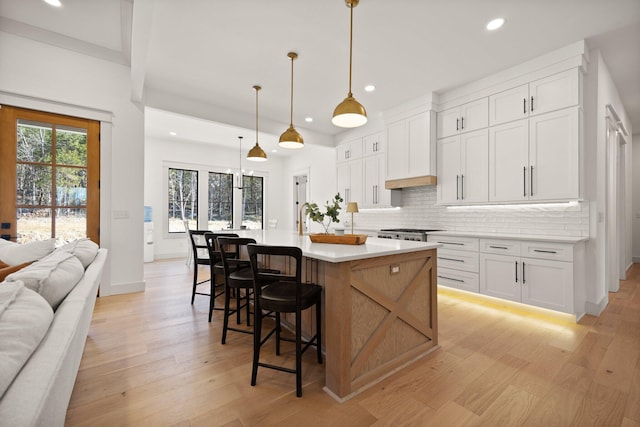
(636, 259)
(157, 257)
(127, 288)
(595, 309)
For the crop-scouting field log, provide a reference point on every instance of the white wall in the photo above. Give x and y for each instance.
(205, 157)
(635, 190)
(63, 79)
(599, 91)
(319, 163)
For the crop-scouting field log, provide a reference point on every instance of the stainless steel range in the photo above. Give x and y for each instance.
(415, 234)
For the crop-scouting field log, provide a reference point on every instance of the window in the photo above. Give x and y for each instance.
(220, 209)
(252, 206)
(50, 176)
(183, 200)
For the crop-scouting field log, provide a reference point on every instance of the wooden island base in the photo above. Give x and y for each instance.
(380, 314)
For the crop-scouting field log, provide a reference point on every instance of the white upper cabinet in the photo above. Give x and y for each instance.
(375, 194)
(463, 173)
(411, 150)
(349, 150)
(349, 180)
(508, 161)
(554, 155)
(536, 158)
(538, 97)
(373, 144)
(361, 171)
(465, 118)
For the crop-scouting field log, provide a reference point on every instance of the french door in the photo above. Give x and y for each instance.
(49, 176)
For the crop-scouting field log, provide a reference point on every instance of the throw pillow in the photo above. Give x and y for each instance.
(24, 320)
(53, 277)
(6, 269)
(14, 253)
(84, 249)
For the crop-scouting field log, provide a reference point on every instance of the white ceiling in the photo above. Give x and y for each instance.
(211, 52)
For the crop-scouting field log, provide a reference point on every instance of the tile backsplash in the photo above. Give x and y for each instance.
(419, 210)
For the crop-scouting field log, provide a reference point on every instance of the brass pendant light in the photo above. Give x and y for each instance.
(291, 138)
(257, 154)
(350, 113)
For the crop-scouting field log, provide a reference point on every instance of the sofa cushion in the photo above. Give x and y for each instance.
(6, 269)
(83, 249)
(53, 277)
(24, 320)
(16, 253)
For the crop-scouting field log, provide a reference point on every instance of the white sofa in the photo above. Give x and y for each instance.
(39, 394)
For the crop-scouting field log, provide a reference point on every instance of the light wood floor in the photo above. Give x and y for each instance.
(152, 359)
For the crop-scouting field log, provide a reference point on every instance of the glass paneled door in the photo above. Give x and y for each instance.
(50, 177)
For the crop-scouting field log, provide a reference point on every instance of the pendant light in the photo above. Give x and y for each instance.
(350, 113)
(291, 138)
(257, 154)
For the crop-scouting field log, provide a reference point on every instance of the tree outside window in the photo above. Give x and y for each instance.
(252, 202)
(220, 209)
(183, 200)
(51, 181)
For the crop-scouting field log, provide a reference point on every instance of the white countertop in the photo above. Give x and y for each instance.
(536, 237)
(372, 248)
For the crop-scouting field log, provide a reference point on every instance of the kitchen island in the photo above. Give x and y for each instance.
(379, 305)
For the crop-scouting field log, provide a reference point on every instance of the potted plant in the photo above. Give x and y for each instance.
(331, 213)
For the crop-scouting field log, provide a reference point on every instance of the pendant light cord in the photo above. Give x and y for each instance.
(291, 113)
(350, 45)
(257, 88)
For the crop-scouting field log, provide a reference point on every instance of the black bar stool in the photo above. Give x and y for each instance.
(215, 267)
(200, 257)
(238, 275)
(283, 293)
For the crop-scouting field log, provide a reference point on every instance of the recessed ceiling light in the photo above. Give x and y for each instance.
(55, 3)
(494, 24)
(370, 88)
(308, 119)
(274, 151)
(172, 133)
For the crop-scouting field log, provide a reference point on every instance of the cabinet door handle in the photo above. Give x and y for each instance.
(545, 252)
(531, 182)
(523, 272)
(524, 181)
(498, 247)
(451, 278)
(524, 105)
(462, 187)
(531, 103)
(451, 259)
(450, 243)
(457, 187)
(462, 122)
(516, 271)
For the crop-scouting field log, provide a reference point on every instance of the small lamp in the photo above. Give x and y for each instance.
(353, 208)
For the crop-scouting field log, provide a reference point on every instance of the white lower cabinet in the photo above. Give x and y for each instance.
(458, 262)
(540, 281)
(536, 273)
